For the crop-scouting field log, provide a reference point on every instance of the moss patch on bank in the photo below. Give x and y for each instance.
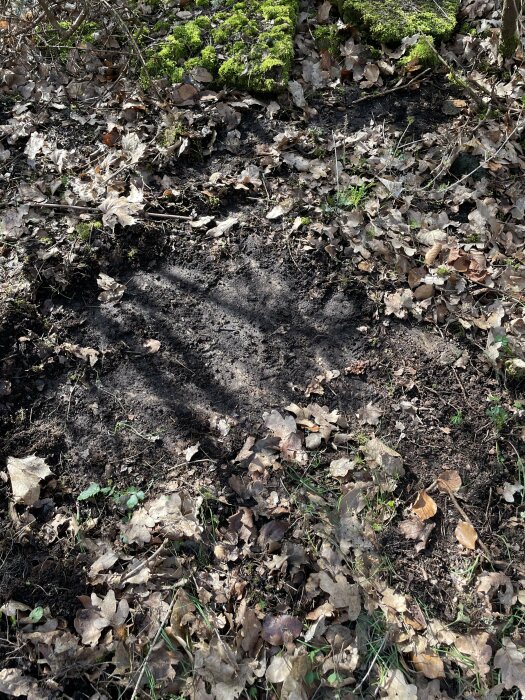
(244, 44)
(390, 21)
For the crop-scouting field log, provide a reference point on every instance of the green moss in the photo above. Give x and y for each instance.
(171, 134)
(327, 38)
(389, 21)
(507, 47)
(84, 229)
(422, 53)
(253, 39)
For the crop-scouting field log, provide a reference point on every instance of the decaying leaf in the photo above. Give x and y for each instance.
(279, 629)
(385, 457)
(396, 687)
(26, 473)
(424, 506)
(511, 662)
(292, 672)
(466, 534)
(285, 207)
(87, 354)
(151, 346)
(98, 614)
(190, 452)
(475, 647)
(415, 529)
(370, 414)
(112, 291)
(14, 683)
(340, 467)
(429, 664)
(449, 480)
(223, 227)
(510, 490)
(122, 210)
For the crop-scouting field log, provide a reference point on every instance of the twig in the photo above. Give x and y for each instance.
(402, 86)
(93, 210)
(131, 39)
(467, 519)
(165, 619)
(371, 666)
(143, 564)
(518, 126)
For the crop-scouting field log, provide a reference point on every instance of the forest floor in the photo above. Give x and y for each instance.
(261, 379)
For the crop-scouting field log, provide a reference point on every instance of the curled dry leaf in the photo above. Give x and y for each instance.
(466, 535)
(191, 451)
(449, 481)
(285, 207)
(25, 474)
(424, 507)
(429, 664)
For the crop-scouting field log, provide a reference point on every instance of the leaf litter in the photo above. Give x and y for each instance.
(276, 577)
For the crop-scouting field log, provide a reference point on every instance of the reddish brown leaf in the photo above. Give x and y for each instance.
(279, 629)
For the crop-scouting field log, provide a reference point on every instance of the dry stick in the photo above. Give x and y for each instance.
(518, 126)
(450, 69)
(144, 563)
(93, 210)
(65, 34)
(394, 89)
(132, 40)
(165, 619)
(468, 520)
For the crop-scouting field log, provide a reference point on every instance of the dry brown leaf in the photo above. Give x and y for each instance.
(449, 481)
(396, 687)
(429, 664)
(279, 629)
(511, 661)
(26, 473)
(432, 254)
(475, 646)
(466, 535)
(424, 507)
(415, 529)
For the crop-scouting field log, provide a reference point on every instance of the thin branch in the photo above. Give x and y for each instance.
(95, 210)
(402, 86)
(165, 619)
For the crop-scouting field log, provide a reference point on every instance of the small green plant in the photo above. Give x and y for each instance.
(497, 414)
(348, 198)
(128, 499)
(457, 418)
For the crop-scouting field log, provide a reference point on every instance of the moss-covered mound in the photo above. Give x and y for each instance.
(245, 44)
(389, 21)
